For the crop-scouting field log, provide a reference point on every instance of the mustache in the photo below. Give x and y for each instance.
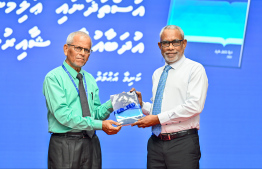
(173, 52)
(80, 56)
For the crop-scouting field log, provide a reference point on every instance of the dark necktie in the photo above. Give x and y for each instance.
(84, 102)
(158, 98)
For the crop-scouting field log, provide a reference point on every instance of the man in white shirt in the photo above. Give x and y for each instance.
(179, 94)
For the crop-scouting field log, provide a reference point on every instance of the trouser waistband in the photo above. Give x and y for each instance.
(73, 134)
(171, 136)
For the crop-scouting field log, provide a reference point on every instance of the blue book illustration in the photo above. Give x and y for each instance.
(215, 29)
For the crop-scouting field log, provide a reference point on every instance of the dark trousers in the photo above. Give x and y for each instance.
(179, 153)
(67, 152)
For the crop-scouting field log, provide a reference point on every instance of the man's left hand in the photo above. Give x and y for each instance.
(147, 121)
(139, 96)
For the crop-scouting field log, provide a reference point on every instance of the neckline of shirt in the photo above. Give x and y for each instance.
(71, 70)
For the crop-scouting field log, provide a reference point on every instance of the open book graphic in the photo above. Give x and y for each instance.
(215, 30)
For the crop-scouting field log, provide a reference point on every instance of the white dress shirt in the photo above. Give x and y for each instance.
(183, 98)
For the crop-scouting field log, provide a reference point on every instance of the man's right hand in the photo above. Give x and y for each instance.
(109, 129)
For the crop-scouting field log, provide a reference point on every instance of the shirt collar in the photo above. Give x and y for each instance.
(176, 64)
(71, 70)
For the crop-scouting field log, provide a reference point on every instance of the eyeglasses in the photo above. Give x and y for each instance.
(79, 49)
(175, 43)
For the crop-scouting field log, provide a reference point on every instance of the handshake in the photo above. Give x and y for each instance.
(123, 106)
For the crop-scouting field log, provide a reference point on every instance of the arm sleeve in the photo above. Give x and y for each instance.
(146, 108)
(195, 99)
(65, 115)
(103, 111)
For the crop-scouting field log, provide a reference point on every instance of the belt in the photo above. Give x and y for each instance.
(73, 134)
(171, 136)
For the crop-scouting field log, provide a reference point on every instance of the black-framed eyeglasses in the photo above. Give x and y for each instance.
(175, 43)
(79, 49)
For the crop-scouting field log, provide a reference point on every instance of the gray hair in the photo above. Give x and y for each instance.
(71, 36)
(172, 27)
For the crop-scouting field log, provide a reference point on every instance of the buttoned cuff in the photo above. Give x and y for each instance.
(146, 108)
(163, 118)
(108, 105)
(97, 125)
